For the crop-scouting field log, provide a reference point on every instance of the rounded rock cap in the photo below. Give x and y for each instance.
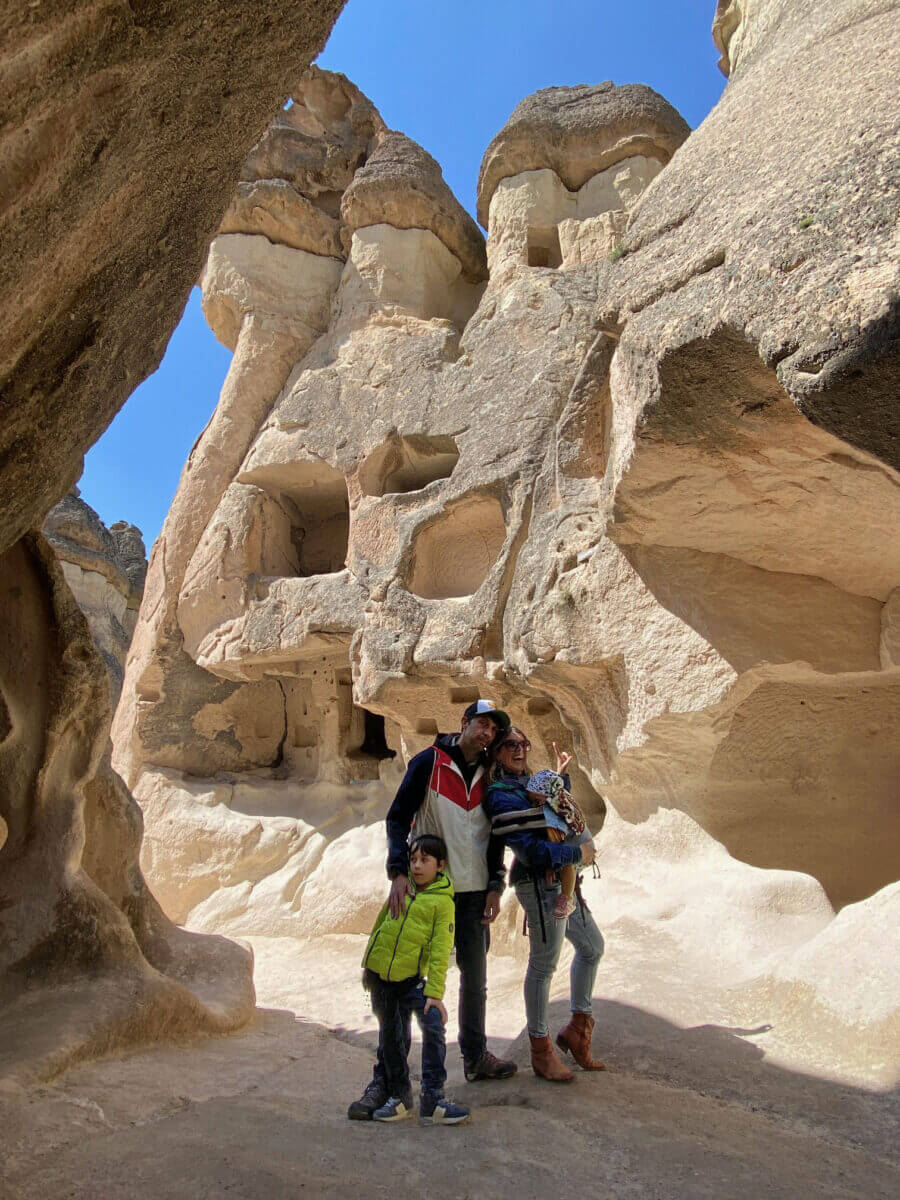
(402, 185)
(579, 131)
(292, 180)
(317, 143)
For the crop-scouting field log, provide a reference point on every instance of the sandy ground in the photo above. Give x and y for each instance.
(688, 1108)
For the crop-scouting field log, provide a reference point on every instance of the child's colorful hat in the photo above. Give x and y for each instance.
(546, 783)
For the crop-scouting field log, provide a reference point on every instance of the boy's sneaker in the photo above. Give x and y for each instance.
(489, 1066)
(438, 1110)
(364, 1108)
(396, 1109)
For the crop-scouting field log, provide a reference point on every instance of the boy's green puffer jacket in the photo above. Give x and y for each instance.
(419, 941)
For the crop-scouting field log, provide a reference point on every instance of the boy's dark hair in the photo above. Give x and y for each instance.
(431, 844)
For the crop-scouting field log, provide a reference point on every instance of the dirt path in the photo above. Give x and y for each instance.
(681, 1113)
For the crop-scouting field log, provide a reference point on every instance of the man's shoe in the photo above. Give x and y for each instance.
(396, 1109)
(438, 1110)
(489, 1066)
(364, 1108)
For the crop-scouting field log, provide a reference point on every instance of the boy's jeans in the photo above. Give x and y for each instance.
(393, 1005)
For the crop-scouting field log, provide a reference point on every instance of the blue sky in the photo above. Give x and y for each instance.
(447, 73)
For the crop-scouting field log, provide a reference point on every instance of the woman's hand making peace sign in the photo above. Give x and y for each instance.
(562, 760)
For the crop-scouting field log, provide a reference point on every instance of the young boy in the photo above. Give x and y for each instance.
(404, 968)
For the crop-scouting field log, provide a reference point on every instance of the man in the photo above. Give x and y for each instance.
(441, 793)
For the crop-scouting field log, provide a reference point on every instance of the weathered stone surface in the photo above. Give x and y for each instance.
(790, 240)
(889, 648)
(277, 211)
(319, 141)
(106, 569)
(246, 273)
(789, 755)
(124, 130)
(579, 132)
(610, 491)
(131, 554)
(537, 222)
(88, 961)
(693, 1103)
(401, 185)
(293, 180)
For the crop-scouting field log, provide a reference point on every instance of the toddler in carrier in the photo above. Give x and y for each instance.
(565, 823)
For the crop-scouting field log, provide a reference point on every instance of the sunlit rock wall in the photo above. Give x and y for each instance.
(106, 569)
(124, 126)
(630, 471)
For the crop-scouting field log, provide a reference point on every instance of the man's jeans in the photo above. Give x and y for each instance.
(393, 1005)
(582, 932)
(472, 942)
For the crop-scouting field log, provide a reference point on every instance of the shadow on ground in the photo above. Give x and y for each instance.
(261, 1115)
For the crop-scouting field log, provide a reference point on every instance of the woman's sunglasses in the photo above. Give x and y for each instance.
(515, 744)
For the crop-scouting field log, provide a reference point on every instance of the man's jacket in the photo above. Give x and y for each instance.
(418, 942)
(443, 794)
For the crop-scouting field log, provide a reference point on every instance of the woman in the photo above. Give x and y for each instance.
(521, 827)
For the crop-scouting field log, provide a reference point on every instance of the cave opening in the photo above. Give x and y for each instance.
(312, 529)
(374, 743)
(543, 247)
(407, 464)
(454, 555)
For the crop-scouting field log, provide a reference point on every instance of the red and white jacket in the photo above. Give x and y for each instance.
(453, 811)
(434, 798)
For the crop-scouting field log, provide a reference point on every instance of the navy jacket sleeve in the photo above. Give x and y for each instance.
(495, 864)
(536, 852)
(409, 799)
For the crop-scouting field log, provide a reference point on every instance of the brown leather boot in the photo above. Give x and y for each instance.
(545, 1063)
(576, 1038)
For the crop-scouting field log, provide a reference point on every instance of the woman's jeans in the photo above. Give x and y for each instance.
(393, 1005)
(582, 932)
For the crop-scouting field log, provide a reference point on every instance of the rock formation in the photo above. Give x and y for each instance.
(635, 480)
(124, 130)
(106, 569)
(88, 961)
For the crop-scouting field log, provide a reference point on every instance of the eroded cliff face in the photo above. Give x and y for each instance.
(630, 473)
(124, 129)
(88, 961)
(106, 569)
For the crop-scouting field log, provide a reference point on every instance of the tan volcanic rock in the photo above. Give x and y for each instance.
(779, 245)
(277, 211)
(124, 129)
(88, 961)
(270, 303)
(319, 141)
(106, 569)
(639, 490)
(558, 180)
(292, 182)
(123, 135)
(826, 741)
(402, 186)
(579, 132)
